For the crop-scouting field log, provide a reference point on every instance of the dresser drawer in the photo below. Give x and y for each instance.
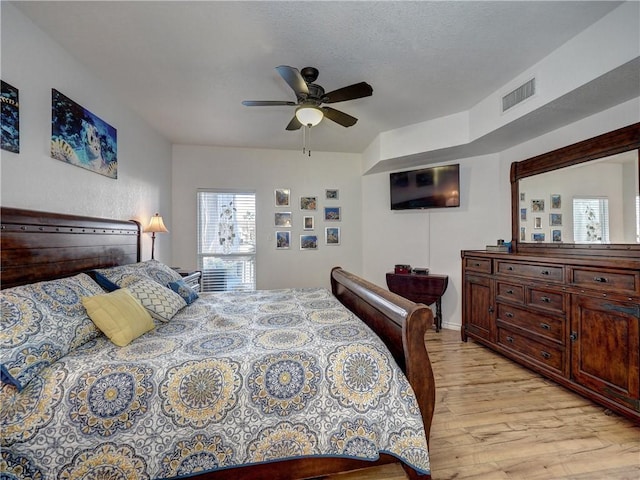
(530, 270)
(477, 264)
(529, 348)
(548, 326)
(552, 301)
(602, 279)
(511, 292)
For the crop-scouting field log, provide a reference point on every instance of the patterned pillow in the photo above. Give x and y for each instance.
(41, 323)
(153, 269)
(161, 302)
(185, 291)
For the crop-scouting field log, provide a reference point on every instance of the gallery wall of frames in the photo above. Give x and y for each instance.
(318, 217)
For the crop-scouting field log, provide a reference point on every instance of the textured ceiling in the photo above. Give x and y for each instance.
(185, 67)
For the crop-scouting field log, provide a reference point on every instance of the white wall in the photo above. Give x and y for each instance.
(34, 64)
(262, 171)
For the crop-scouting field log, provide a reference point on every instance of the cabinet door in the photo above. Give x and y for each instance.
(478, 307)
(606, 348)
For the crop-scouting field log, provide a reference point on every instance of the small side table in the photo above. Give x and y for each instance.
(191, 278)
(425, 289)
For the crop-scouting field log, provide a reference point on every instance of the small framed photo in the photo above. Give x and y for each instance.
(308, 203)
(283, 197)
(283, 240)
(523, 196)
(537, 205)
(556, 236)
(282, 219)
(331, 194)
(537, 237)
(332, 235)
(556, 200)
(537, 223)
(555, 219)
(332, 214)
(523, 234)
(523, 214)
(308, 242)
(307, 222)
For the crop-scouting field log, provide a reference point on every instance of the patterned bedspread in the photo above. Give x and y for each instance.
(232, 379)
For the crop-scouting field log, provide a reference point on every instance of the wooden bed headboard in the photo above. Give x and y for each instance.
(39, 246)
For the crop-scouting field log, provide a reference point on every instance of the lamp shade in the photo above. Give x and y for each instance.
(156, 225)
(309, 115)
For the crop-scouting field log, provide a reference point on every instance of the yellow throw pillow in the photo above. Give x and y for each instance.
(119, 315)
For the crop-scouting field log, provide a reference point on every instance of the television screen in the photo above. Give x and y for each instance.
(434, 187)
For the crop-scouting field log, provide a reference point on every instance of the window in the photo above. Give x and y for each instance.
(591, 220)
(227, 240)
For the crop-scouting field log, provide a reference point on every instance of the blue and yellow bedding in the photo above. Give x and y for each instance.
(231, 379)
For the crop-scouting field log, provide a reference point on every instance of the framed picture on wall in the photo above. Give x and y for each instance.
(537, 237)
(332, 235)
(332, 214)
(537, 205)
(555, 219)
(523, 234)
(523, 214)
(308, 203)
(556, 200)
(556, 236)
(308, 242)
(307, 222)
(537, 222)
(331, 194)
(282, 219)
(10, 118)
(283, 196)
(283, 240)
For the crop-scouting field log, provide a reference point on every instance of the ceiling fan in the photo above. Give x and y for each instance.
(310, 97)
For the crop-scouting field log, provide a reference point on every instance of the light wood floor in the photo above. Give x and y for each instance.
(496, 420)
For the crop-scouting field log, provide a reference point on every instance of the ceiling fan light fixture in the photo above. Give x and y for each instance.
(309, 115)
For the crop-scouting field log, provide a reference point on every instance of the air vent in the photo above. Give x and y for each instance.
(519, 95)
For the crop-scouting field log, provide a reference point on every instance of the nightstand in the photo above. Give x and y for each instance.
(191, 278)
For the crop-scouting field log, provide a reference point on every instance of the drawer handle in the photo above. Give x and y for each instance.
(510, 339)
(510, 292)
(545, 299)
(510, 268)
(546, 355)
(545, 272)
(545, 326)
(600, 279)
(476, 264)
(508, 315)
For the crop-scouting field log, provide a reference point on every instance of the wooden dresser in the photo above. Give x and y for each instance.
(575, 319)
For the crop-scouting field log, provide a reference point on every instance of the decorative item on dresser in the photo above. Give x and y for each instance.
(569, 311)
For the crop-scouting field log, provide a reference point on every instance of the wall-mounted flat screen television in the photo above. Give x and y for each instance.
(433, 187)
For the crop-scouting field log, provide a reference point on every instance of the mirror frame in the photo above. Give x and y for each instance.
(611, 143)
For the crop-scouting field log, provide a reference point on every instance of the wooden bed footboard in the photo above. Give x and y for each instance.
(401, 325)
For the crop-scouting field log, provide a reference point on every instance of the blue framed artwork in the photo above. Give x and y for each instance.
(10, 118)
(80, 138)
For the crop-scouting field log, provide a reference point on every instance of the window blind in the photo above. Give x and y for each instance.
(591, 220)
(226, 240)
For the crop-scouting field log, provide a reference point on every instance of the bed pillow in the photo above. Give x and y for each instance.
(185, 291)
(160, 272)
(119, 315)
(104, 282)
(161, 302)
(41, 323)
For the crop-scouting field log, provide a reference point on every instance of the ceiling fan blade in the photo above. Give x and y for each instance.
(266, 103)
(339, 117)
(357, 90)
(294, 79)
(294, 124)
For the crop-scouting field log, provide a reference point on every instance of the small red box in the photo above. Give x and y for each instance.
(402, 269)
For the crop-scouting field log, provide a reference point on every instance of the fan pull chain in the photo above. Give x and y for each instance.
(309, 140)
(306, 140)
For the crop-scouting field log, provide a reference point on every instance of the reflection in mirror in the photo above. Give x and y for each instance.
(595, 202)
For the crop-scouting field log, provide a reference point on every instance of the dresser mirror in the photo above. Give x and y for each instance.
(581, 199)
